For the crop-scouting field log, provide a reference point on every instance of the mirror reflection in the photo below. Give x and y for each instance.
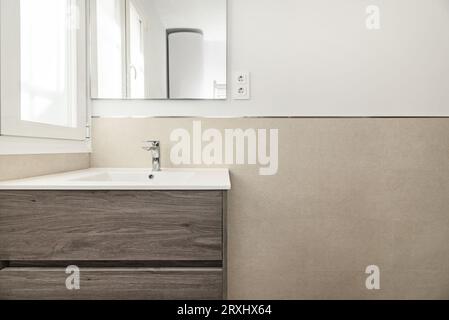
(158, 49)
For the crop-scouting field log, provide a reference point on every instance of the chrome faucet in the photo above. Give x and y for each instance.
(155, 148)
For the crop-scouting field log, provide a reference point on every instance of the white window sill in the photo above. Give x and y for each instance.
(24, 146)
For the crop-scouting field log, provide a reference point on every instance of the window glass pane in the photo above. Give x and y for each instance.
(48, 62)
(109, 48)
(136, 53)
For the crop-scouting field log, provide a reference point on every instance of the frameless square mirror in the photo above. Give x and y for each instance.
(158, 49)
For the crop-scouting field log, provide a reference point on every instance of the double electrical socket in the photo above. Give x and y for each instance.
(241, 85)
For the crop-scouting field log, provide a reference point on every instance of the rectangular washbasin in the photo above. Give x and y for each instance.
(127, 179)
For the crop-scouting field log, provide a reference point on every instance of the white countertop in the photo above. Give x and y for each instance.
(126, 179)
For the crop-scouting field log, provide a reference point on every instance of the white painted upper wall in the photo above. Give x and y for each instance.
(317, 58)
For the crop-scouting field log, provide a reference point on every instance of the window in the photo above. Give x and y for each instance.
(136, 54)
(118, 54)
(109, 52)
(43, 69)
(48, 62)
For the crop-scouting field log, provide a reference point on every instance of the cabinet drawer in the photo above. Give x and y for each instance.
(111, 225)
(112, 284)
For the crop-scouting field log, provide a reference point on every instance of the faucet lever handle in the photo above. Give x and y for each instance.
(154, 147)
(152, 143)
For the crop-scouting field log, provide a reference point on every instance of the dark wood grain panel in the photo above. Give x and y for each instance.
(225, 245)
(117, 264)
(110, 225)
(112, 284)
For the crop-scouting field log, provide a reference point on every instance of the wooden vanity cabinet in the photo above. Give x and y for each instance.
(127, 244)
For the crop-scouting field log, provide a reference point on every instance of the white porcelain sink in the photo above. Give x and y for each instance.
(165, 177)
(127, 179)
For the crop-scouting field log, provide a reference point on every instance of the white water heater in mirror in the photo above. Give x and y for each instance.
(186, 65)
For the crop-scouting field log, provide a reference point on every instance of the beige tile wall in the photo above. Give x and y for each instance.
(17, 167)
(349, 193)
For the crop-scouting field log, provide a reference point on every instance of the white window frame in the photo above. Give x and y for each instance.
(129, 66)
(23, 137)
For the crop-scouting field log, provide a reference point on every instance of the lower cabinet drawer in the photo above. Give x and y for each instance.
(112, 284)
(111, 225)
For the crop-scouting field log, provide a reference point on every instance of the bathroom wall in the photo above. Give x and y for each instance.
(349, 193)
(316, 57)
(24, 166)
